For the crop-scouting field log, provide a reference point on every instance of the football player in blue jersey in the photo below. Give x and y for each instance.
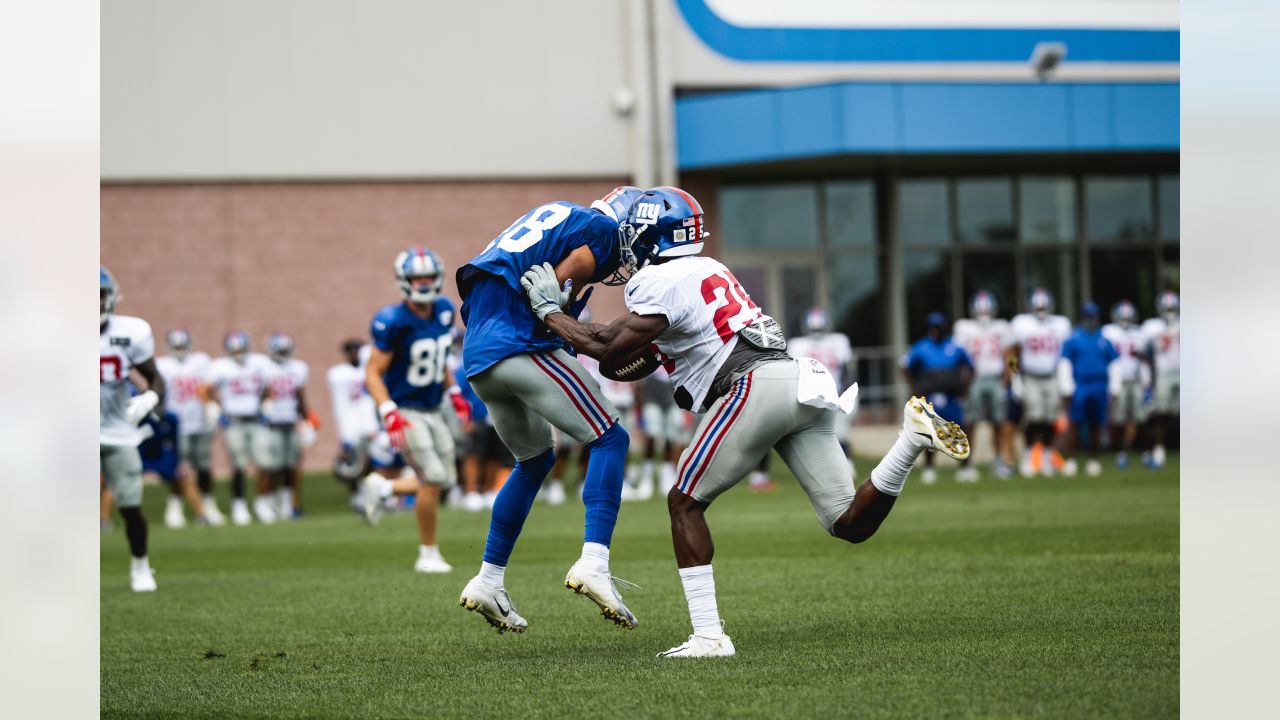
(530, 384)
(407, 378)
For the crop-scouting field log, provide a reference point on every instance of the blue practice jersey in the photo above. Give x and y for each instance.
(1090, 354)
(494, 306)
(936, 366)
(419, 348)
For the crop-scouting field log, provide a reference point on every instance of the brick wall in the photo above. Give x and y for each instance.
(313, 260)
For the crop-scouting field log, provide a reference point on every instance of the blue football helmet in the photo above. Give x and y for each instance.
(1124, 313)
(665, 222)
(236, 342)
(1167, 304)
(108, 294)
(815, 321)
(982, 305)
(419, 262)
(1041, 302)
(280, 345)
(617, 205)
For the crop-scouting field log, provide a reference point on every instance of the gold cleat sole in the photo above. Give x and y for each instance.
(501, 625)
(955, 442)
(608, 612)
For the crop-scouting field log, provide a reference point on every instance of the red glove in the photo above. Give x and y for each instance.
(460, 405)
(394, 423)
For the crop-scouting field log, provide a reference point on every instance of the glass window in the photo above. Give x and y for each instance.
(927, 276)
(1170, 226)
(1169, 278)
(1118, 208)
(924, 212)
(755, 217)
(857, 298)
(851, 213)
(1047, 207)
(1055, 271)
(995, 272)
(984, 210)
(799, 294)
(752, 279)
(1128, 274)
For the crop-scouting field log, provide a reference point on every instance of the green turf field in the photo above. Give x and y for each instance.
(1045, 598)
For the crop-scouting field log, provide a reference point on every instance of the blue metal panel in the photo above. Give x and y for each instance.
(869, 114)
(1092, 117)
(1146, 116)
(921, 45)
(984, 118)
(808, 120)
(726, 129)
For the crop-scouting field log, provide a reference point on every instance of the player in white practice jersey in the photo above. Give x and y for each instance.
(728, 360)
(184, 379)
(1128, 377)
(834, 351)
(288, 427)
(1164, 345)
(125, 344)
(236, 382)
(987, 338)
(354, 415)
(1037, 349)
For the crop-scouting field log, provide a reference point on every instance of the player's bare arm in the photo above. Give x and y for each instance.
(623, 337)
(155, 381)
(579, 267)
(379, 361)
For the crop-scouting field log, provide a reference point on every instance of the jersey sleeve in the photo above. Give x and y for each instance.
(846, 349)
(142, 344)
(656, 296)
(383, 329)
(304, 373)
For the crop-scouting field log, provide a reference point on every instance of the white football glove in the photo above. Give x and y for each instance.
(140, 405)
(306, 434)
(212, 414)
(546, 297)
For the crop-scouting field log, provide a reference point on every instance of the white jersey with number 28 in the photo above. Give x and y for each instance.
(705, 306)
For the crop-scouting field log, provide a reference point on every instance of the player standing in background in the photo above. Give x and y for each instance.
(1090, 355)
(986, 339)
(125, 344)
(184, 379)
(940, 371)
(285, 412)
(530, 384)
(408, 378)
(486, 462)
(354, 416)
(623, 397)
(1164, 345)
(664, 423)
(833, 350)
(236, 382)
(728, 359)
(1126, 376)
(1037, 350)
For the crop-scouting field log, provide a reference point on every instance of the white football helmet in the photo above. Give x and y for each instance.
(1041, 302)
(415, 263)
(178, 340)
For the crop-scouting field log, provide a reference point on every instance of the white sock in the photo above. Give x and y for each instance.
(139, 563)
(286, 499)
(646, 471)
(758, 478)
(596, 556)
(428, 550)
(491, 574)
(700, 593)
(889, 476)
(174, 502)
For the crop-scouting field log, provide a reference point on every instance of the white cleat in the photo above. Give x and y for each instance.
(433, 563)
(493, 604)
(667, 479)
(212, 514)
(601, 589)
(473, 502)
(929, 476)
(920, 420)
(1070, 468)
(373, 495)
(644, 490)
(142, 579)
(263, 510)
(173, 517)
(697, 646)
(555, 493)
(240, 513)
(490, 498)
(967, 475)
(1093, 468)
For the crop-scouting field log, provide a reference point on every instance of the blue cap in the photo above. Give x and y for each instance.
(1090, 309)
(936, 319)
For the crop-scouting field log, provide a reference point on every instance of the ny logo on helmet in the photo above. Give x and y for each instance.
(647, 213)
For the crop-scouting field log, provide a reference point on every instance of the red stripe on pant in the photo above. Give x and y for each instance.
(586, 392)
(720, 436)
(569, 393)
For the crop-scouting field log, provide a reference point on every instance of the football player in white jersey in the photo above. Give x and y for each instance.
(184, 379)
(1164, 346)
(987, 338)
(728, 360)
(1037, 349)
(833, 350)
(289, 425)
(236, 382)
(355, 416)
(1127, 377)
(125, 344)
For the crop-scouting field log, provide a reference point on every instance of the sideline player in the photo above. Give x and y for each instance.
(940, 371)
(1164, 345)
(284, 411)
(728, 358)
(125, 344)
(1037, 350)
(1090, 355)
(1126, 377)
(530, 384)
(834, 351)
(986, 338)
(408, 378)
(236, 382)
(354, 416)
(184, 379)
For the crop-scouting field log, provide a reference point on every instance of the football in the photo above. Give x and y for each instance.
(639, 364)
